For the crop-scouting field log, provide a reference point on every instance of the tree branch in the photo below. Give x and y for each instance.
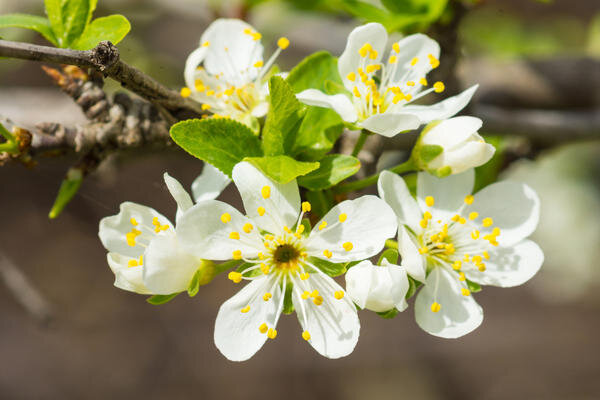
(105, 59)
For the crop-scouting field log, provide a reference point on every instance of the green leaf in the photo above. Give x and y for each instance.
(194, 284)
(159, 299)
(428, 152)
(221, 142)
(391, 255)
(307, 226)
(54, 12)
(318, 133)
(113, 28)
(473, 287)
(249, 274)
(288, 304)
(388, 314)
(68, 18)
(334, 169)
(283, 119)
(313, 71)
(413, 285)
(39, 24)
(331, 269)
(68, 189)
(282, 169)
(332, 87)
(320, 201)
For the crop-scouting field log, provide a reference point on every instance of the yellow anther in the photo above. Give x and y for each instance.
(256, 36)
(225, 218)
(287, 230)
(283, 43)
(440, 245)
(261, 256)
(473, 215)
(423, 81)
(327, 253)
(236, 277)
(410, 83)
(305, 295)
(323, 225)
(258, 64)
(439, 87)
(434, 62)
(433, 238)
(461, 276)
(199, 86)
(423, 223)
(245, 309)
(247, 227)
(264, 268)
(132, 263)
(205, 106)
(260, 211)
(372, 68)
(343, 217)
(481, 267)
(248, 31)
(133, 221)
(263, 328)
(155, 221)
(465, 292)
(396, 47)
(457, 265)
(393, 60)
(414, 61)
(265, 192)
(486, 255)
(487, 222)
(229, 91)
(476, 259)
(300, 229)
(272, 333)
(318, 300)
(267, 296)
(435, 306)
(373, 54)
(356, 92)
(366, 48)
(269, 237)
(430, 201)
(185, 92)
(475, 234)
(351, 76)
(427, 215)
(206, 44)
(306, 335)
(304, 276)
(141, 262)
(467, 257)
(462, 220)
(469, 199)
(495, 231)
(347, 246)
(280, 241)
(338, 294)
(408, 97)
(455, 218)
(237, 254)
(234, 236)
(423, 250)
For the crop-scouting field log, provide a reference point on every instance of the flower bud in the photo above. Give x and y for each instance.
(452, 146)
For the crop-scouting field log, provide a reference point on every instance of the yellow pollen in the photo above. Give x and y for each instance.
(481, 267)
(318, 300)
(234, 236)
(487, 222)
(272, 333)
(133, 221)
(210, 92)
(287, 230)
(343, 217)
(245, 309)
(205, 106)
(423, 250)
(469, 199)
(229, 91)
(347, 246)
(461, 276)
(306, 207)
(466, 257)
(130, 237)
(247, 227)
(351, 76)
(206, 44)
(323, 225)
(476, 259)
(356, 92)
(261, 256)
(435, 306)
(423, 81)
(475, 234)
(283, 43)
(364, 50)
(373, 54)
(132, 263)
(439, 87)
(305, 295)
(414, 61)
(408, 97)
(423, 223)
(265, 192)
(372, 68)
(237, 254)
(393, 60)
(338, 294)
(269, 237)
(495, 231)
(236, 277)
(263, 328)
(185, 92)
(306, 335)
(427, 215)
(396, 47)
(430, 201)
(225, 218)
(264, 268)
(260, 211)
(304, 276)
(300, 229)
(473, 215)
(256, 36)
(455, 218)
(327, 253)
(258, 64)
(267, 296)
(486, 255)
(465, 292)
(462, 220)
(434, 62)
(410, 83)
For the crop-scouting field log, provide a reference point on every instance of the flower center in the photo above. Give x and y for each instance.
(285, 253)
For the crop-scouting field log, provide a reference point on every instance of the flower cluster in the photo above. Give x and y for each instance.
(438, 241)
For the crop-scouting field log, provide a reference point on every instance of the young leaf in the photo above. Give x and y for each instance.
(113, 28)
(473, 287)
(75, 14)
(320, 201)
(283, 120)
(413, 285)
(39, 24)
(320, 129)
(282, 169)
(194, 284)
(221, 142)
(313, 72)
(334, 169)
(391, 255)
(68, 189)
(159, 299)
(54, 12)
(331, 269)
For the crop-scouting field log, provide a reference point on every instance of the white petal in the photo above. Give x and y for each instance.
(372, 33)
(209, 184)
(452, 132)
(458, 314)
(419, 46)
(442, 110)
(390, 124)
(514, 208)
(127, 278)
(370, 221)
(237, 334)
(470, 155)
(181, 196)
(191, 65)
(340, 103)
(167, 268)
(510, 266)
(114, 228)
(232, 52)
(282, 206)
(377, 288)
(393, 190)
(412, 260)
(333, 326)
(201, 232)
(448, 193)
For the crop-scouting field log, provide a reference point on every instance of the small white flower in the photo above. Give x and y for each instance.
(144, 253)
(447, 236)
(459, 145)
(377, 288)
(230, 83)
(380, 94)
(279, 254)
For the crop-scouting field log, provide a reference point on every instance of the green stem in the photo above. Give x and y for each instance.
(364, 134)
(392, 244)
(407, 166)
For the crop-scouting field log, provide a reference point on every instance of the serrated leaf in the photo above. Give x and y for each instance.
(39, 24)
(282, 169)
(320, 129)
(283, 120)
(334, 169)
(331, 269)
(112, 28)
(221, 142)
(159, 299)
(391, 255)
(313, 71)
(68, 189)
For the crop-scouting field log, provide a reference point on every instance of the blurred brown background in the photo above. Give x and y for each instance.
(73, 335)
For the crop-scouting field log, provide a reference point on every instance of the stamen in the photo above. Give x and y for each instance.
(283, 43)
(396, 47)
(185, 92)
(205, 106)
(347, 246)
(265, 192)
(304, 276)
(267, 296)
(414, 61)
(206, 44)
(473, 215)
(475, 234)
(343, 217)
(318, 300)
(306, 336)
(439, 87)
(430, 201)
(457, 265)
(423, 81)
(247, 227)
(225, 218)
(306, 207)
(234, 236)
(322, 225)
(263, 328)
(305, 295)
(327, 253)
(272, 333)
(260, 211)
(133, 221)
(351, 76)
(236, 277)
(435, 306)
(258, 64)
(487, 222)
(465, 292)
(245, 309)
(338, 294)
(237, 254)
